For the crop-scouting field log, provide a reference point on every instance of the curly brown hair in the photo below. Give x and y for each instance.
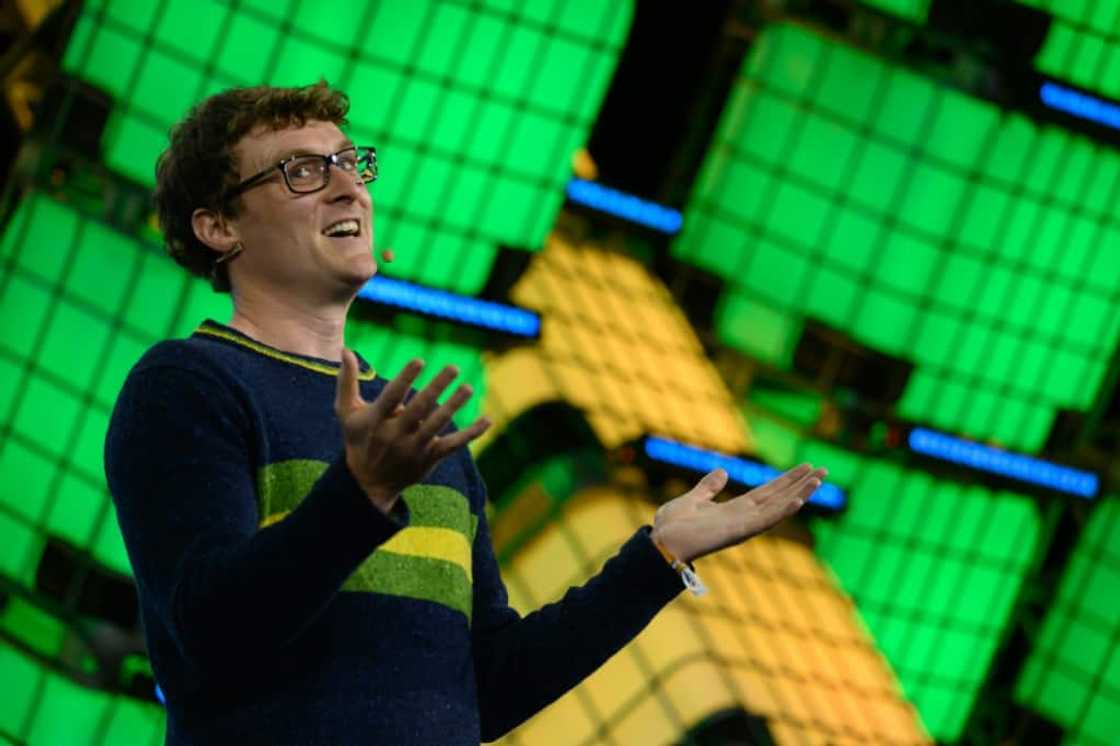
(200, 166)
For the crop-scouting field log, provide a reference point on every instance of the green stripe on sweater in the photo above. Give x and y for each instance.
(413, 577)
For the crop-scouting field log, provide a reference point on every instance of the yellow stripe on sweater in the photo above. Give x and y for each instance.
(418, 541)
(433, 543)
(255, 346)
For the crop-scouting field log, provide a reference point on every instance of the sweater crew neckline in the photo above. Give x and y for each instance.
(228, 334)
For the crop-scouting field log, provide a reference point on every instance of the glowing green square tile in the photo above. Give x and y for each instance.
(302, 62)
(166, 87)
(823, 152)
(756, 328)
(1077, 165)
(931, 199)
(798, 214)
(1089, 318)
(938, 336)
(88, 452)
(980, 413)
(832, 296)
(1106, 171)
(508, 212)
(1046, 160)
(64, 709)
(108, 547)
(850, 556)
(11, 374)
(397, 30)
(1012, 150)
(916, 401)
(1106, 264)
(495, 128)
(132, 147)
(72, 329)
(134, 722)
(204, 18)
(325, 28)
(1011, 415)
(1049, 240)
(1023, 304)
(961, 128)
(77, 505)
(742, 188)
(879, 175)
(776, 274)
(247, 48)
(34, 473)
(556, 89)
(880, 578)
(1065, 378)
(153, 299)
(1087, 60)
(1080, 245)
(1057, 48)
(489, 35)
(455, 121)
(853, 239)
(102, 266)
(906, 263)
(1034, 361)
(903, 113)
(43, 240)
(476, 261)
(972, 347)
(999, 284)
(1101, 719)
(766, 134)
(47, 415)
(22, 677)
(111, 60)
(850, 83)
(520, 60)
(984, 215)
(960, 280)
(19, 550)
(885, 321)
(795, 54)
(536, 146)
(1054, 311)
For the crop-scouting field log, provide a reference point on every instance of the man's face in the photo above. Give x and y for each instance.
(284, 233)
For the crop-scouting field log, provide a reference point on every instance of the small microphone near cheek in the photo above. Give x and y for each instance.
(387, 256)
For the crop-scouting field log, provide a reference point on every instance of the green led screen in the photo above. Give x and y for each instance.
(934, 567)
(476, 108)
(1073, 673)
(927, 224)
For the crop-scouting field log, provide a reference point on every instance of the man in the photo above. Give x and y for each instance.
(309, 540)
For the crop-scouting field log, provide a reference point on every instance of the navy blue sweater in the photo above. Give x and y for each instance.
(280, 606)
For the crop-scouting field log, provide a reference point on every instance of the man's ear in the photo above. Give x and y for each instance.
(214, 230)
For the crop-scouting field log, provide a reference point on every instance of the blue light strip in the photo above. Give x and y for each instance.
(1080, 105)
(750, 473)
(1004, 463)
(445, 305)
(625, 206)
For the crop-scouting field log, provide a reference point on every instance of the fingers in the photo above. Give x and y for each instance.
(347, 395)
(448, 443)
(710, 485)
(420, 407)
(395, 391)
(434, 423)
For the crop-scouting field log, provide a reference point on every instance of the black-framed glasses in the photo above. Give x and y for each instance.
(309, 173)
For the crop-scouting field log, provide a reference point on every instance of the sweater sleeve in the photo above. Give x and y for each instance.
(523, 664)
(178, 457)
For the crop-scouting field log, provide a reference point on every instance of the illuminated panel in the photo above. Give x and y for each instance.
(1083, 45)
(773, 636)
(613, 344)
(1072, 675)
(1003, 463)
(625, 206)
(750, 473)
(935, 568)
(462, 309)
(475, 108)
(41, 707)
(926, 224)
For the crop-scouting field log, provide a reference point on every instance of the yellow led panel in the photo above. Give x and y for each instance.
(775, 636)
(613, 344)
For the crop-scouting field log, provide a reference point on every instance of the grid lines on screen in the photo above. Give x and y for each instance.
(923, 222)
(476, 108)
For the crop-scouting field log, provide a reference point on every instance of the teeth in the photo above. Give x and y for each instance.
(342, 228)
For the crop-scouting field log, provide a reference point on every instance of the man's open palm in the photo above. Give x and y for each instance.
(693, 524)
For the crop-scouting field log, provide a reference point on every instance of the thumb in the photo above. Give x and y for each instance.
(346, 394)
(710, 486)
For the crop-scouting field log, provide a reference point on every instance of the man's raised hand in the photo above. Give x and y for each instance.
(693, 524)
(390, 443)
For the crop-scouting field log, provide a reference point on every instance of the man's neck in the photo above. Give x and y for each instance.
(289, 325)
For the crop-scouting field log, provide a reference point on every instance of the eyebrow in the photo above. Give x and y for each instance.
(341, 145)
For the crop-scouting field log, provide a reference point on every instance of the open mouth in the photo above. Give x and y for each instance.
(343, 229)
